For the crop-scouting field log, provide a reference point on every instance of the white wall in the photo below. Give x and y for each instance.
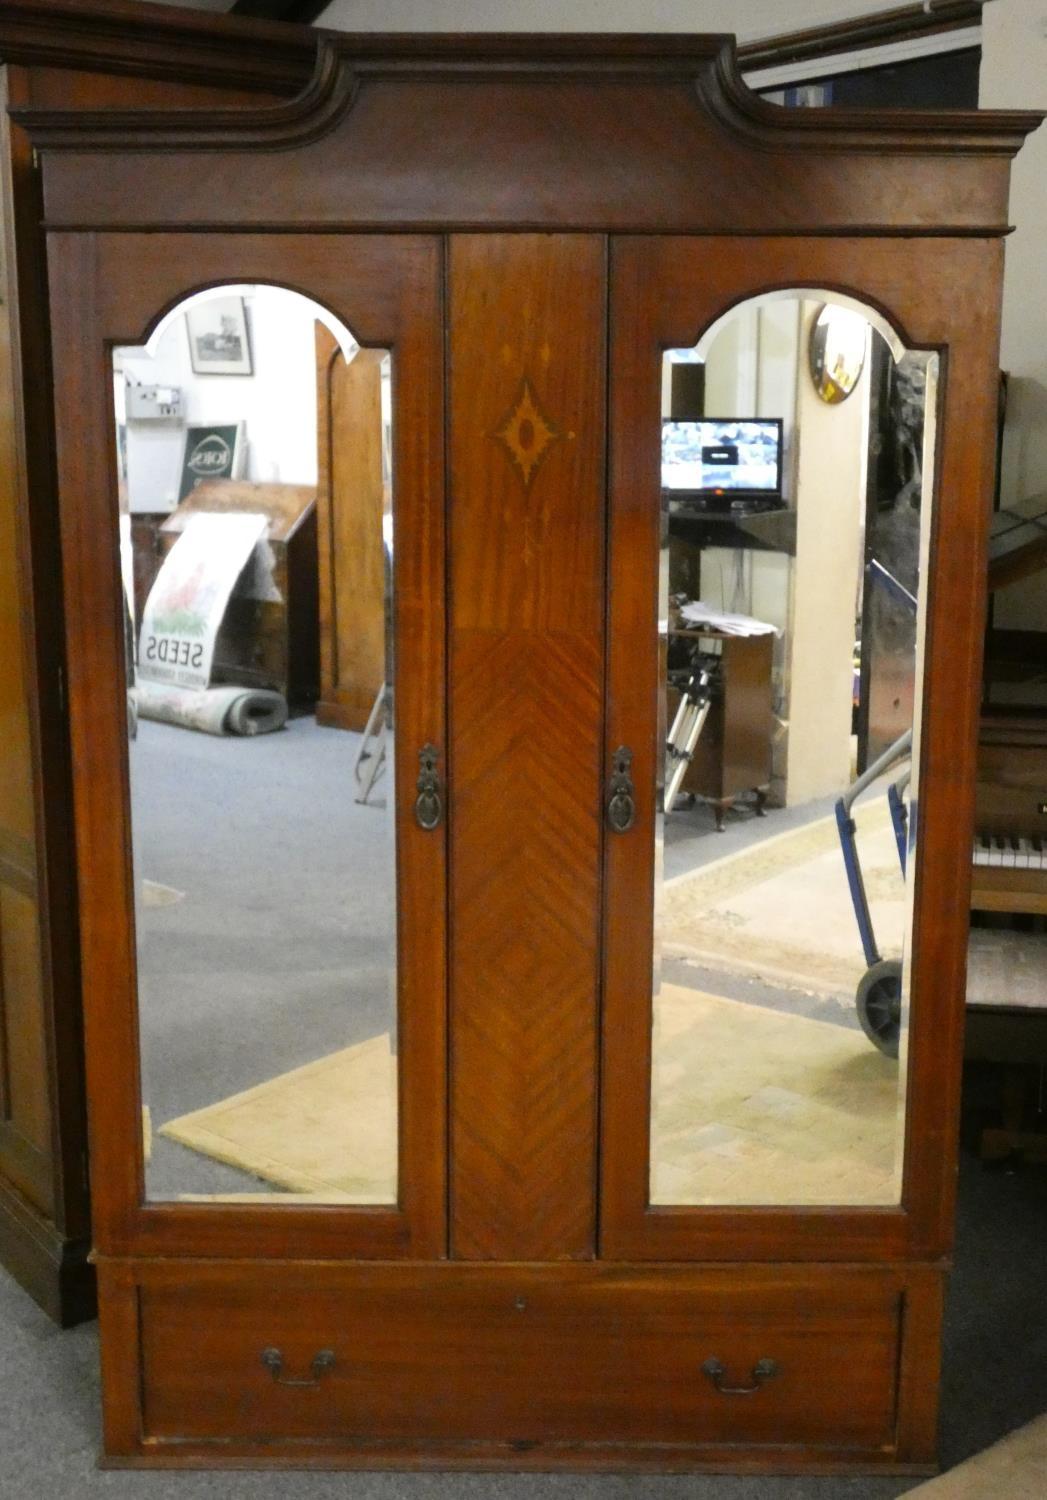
(277, 402)
(1014, 75)
(746, 18)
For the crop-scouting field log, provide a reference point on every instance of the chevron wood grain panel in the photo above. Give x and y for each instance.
(527, 363)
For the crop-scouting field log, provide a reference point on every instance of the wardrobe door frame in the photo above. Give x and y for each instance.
(939, 294)
(111, 289)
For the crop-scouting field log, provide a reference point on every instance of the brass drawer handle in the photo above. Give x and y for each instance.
(763, 1369)
(274, 1363)
(428, 807)
(621, 794)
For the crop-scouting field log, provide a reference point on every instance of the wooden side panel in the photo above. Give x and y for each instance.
(350, 502)
(25, 1114)
(527, 372)
(21, 991)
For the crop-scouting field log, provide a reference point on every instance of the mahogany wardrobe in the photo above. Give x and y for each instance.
(552, 1235)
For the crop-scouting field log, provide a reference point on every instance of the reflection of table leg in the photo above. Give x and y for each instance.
(761, 801)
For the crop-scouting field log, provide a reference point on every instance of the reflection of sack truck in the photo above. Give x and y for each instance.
(879, 996)
(370, 757)
(702, 677)
(370, 760)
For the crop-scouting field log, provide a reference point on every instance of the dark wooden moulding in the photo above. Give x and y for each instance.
(486, 207)
(59, 54)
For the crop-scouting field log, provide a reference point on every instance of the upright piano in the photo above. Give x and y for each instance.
(1010, 844)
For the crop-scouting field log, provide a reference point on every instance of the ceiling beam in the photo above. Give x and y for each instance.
(856, 32)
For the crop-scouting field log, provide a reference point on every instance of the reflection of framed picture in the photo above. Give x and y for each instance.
(218, 337)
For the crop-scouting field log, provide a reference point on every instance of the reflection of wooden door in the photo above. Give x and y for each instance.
(350, 503)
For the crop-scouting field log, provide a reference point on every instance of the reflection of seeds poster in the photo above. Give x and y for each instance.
(212, 452)
(184, 611)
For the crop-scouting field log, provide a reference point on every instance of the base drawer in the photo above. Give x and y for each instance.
(265, 1359)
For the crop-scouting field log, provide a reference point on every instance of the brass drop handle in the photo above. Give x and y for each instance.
(621, 794)
(763, 1369)
(429, 806)
(274, 1363)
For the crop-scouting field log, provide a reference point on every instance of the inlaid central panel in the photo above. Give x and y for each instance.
(527, 436)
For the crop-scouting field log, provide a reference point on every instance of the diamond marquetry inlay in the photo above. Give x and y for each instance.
(527, 434)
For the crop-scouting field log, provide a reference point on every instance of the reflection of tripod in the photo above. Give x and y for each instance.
(690, 719)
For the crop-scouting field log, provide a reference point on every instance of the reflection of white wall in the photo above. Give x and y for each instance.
(756, 365)
(277, 402)
(730, 366)
(750, 371)
(830, 489)
(1014, 75)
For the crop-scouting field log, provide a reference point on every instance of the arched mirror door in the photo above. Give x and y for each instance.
(263, 834)
(260, 540)
(767, 997)
(791, 562)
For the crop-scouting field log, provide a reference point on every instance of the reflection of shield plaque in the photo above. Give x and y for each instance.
(212, 452)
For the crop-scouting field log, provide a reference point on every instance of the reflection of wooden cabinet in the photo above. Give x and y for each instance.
(350, 502)
(733, 754)
(521, 1302)
(269, 633)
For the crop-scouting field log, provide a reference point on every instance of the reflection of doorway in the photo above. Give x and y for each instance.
(352, 497)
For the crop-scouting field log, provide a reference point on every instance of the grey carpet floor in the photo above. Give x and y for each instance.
(281, 948)
(995, 1379)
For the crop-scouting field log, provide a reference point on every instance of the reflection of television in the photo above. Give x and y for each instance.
(721, 456)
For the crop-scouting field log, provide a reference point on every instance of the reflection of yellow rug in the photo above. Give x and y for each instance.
(326, 1130)
(782, 909)
(753, 1106)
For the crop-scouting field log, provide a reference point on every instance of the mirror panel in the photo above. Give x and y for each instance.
(794, 541)
(264, 844)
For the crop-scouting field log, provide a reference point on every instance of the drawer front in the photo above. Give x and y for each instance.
(519, 1356)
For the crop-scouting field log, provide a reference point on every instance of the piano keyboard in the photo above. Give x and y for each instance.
(1010, 852)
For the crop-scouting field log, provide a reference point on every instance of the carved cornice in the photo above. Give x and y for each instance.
(157, 41)
(884, 132)
(296, 122)
(707, 64)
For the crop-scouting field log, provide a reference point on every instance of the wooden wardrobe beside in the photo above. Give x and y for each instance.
(527, 223)
(58, 54)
